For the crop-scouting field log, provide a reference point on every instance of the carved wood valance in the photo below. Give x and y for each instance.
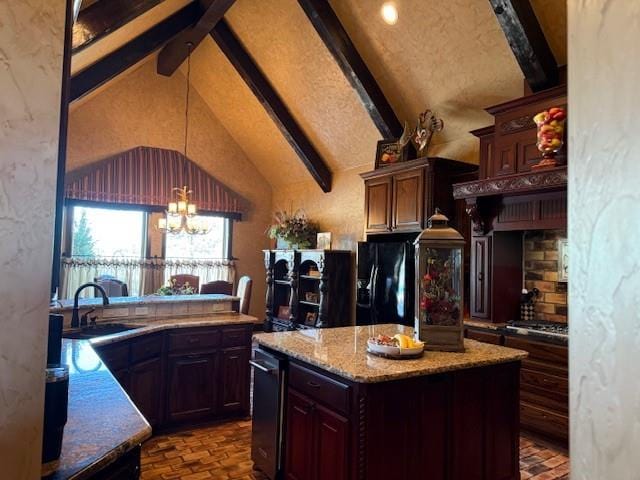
(146, 176)
(523, 201)
(529, 182)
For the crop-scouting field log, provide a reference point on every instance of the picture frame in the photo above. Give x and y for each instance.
(310, 319)
(312, 297)
(323, 241)
(563, 260)
(387, 153)
(284, 312)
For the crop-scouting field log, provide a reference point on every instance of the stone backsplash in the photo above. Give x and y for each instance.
(541, 254)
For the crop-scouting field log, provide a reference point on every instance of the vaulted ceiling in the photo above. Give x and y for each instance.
(448, 55)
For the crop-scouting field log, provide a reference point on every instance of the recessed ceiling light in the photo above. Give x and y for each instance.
(389, 13)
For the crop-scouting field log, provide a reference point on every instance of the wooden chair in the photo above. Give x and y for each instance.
(111, 285)
(182, 278)
(218, 286)
(245, 285)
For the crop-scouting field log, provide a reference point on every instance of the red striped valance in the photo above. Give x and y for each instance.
(147, 176)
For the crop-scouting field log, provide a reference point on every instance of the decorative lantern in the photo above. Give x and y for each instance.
(439, 286)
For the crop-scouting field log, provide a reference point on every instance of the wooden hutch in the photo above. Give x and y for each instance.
(508, 199)
(308, 289)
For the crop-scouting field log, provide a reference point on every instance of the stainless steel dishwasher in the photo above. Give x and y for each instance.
(269, 384)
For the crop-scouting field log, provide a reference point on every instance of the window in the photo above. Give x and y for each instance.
(212, 245)
(105, 232)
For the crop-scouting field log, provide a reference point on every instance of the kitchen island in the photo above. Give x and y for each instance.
(352, 415)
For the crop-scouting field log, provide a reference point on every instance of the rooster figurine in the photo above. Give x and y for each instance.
(428, 124)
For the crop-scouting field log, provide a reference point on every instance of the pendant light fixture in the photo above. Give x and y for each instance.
(181, 215)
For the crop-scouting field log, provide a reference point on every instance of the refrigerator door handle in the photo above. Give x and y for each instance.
(373, 286)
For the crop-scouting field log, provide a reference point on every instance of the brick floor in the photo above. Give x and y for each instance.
(223, 452)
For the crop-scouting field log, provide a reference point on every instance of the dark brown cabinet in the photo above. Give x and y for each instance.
(544, 388)
(191, 388)
(331, 432)
(234, 381)
(402, 197)
(408, 200)
(458, 425)
(480, 274)
(514, 141)
(378, 205)
(317, 441)
(185, 375)
(300, 448)
(145, 379)
(308, 289)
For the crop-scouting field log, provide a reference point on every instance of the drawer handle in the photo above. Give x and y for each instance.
(193, 340)
(313, 384)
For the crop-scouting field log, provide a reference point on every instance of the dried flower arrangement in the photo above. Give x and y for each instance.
(172, 289)
(440, 301)
(295, 228)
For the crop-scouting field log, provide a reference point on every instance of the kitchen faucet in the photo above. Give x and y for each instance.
(75, 318)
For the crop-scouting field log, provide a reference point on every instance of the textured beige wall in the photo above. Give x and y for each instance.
(604, 73)
(448, 55)
(340, 212)
(289, 51)
(31, 44)
(552, 15)
(143, 108)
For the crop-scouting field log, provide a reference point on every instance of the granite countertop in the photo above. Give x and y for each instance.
(67, 304)
(143, 327)
(342, 351)
(103, 423)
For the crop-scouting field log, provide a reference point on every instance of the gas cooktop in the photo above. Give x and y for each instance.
(545, 328)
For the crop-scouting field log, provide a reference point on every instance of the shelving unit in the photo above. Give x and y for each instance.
(290, 282)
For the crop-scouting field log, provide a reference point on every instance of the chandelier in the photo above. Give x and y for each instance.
(181, 216)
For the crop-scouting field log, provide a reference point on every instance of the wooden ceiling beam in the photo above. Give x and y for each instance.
(175, 52)
(273, 104)
(528, 43)
(103, 17)
(132, 52)
(336, 39)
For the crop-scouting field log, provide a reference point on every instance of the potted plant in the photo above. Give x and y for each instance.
(293, 228)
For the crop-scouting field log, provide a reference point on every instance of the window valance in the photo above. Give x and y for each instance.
(147, 176)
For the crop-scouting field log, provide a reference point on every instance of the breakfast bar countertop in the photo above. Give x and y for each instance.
(103, 424)
(67, 304)
(343, 351)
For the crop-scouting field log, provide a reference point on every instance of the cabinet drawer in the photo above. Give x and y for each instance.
(544, 421)
(236, 336)
(530, 379)
(486, 337)
(544, 352)
(115, 356)
(319, 387)
(146, 347)
(193, 340)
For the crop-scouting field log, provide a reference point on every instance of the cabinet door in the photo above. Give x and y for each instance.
(480, 277)
(192, 383)
(331, 445)
(234, 380)
(504, 158)
(300, 447)
(486, 155)
(528, 153)
(378, 205)
(145, 388)
(408, 200)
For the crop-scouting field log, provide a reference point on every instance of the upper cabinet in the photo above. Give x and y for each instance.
(401, 197)
(510, 146)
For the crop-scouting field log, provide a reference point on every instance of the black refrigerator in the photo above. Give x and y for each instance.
(385, 284)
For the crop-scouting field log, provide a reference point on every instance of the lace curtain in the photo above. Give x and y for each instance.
(143, 276)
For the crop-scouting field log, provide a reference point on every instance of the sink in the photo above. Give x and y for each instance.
(99, 330)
